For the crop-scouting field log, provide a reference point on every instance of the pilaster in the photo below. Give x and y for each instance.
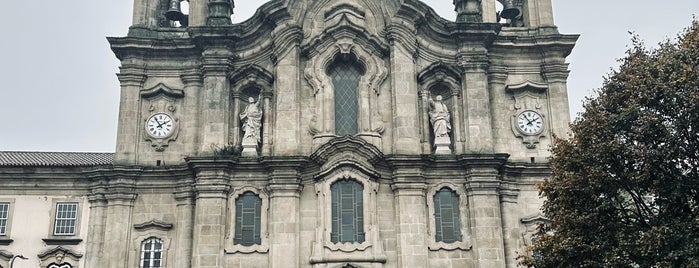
(406, 138)
(120, 195)
(482, 188)
(211, 187)
(284, 218)
(193, 83)
(98, 217)
(131, 76)
(476, 100)
(185, 198)
(287, 39)
(409, 188)
(214, 98)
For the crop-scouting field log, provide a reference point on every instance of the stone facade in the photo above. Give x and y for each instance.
(182, 186)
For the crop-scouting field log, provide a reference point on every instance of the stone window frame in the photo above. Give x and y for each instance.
(369, 198)
(65, 239)
(263, 247)
(151, 251)
(5, 237)
(135, 252)
(465, 243)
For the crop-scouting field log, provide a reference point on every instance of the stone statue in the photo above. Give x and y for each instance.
(441, 125)
(252, 121)
(439, 117)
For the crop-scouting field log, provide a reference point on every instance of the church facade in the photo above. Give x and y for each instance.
(318, 133)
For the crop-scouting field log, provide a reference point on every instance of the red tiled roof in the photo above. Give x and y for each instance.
(14, 158)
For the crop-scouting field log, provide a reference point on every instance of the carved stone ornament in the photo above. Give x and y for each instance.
(59, 257)
(160, 123)
(528, 120)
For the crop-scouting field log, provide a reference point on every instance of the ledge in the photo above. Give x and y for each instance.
(53, 241)
(5, 241)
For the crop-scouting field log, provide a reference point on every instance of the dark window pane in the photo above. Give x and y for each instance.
(345, 75)
(247, 219)
(447, 217)
(347, 213)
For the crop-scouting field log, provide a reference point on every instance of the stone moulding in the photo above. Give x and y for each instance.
(153, 224)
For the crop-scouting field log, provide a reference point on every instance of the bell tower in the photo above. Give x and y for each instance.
(173, 78)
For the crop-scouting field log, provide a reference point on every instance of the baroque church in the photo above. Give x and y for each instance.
(317, 133)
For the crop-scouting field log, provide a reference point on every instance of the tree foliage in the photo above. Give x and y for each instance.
(625, 187)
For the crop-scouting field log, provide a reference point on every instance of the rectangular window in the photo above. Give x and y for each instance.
(66, 219)
(447, 218)
(248, 220)
(4, 217)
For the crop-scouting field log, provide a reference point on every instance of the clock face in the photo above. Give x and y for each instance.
(530, 122)
(159, 125)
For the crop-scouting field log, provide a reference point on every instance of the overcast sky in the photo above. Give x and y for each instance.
(59, 92)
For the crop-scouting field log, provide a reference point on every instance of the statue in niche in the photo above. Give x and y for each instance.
(251, 118)
(441, 124)
(439, 117)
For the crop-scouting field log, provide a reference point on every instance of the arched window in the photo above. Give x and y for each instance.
(347, 211)
(447, 217)
(151, 253)
(247, 220)
(345, 73)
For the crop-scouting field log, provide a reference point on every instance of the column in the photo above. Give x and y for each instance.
(482, 188)
(284, 218)
(211, 187)
(220, 12)
(266, 124)
(215, 99)
(184, 228)
(425, 125)
(411, 214)
(476, 100)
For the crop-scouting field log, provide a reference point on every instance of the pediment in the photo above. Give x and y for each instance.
(534, 218)
(161, 88)
(439, 72)
(153, 224)
(347, 151)
(527, 85)
(252, 75)
(5, 255)
(59, 251)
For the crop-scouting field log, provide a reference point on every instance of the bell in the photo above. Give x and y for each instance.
(174, 12)
(509, 10)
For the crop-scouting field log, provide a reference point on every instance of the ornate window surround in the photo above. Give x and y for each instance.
(151, 230)
(322, 125)
(231, 248)
(324, 251)
(465, 243)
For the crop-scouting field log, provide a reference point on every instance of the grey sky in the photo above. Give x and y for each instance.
(58, 91)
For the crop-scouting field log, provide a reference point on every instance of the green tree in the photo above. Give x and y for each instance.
(625, 187)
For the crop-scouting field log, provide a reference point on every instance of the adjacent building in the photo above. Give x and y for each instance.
(318, 133)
